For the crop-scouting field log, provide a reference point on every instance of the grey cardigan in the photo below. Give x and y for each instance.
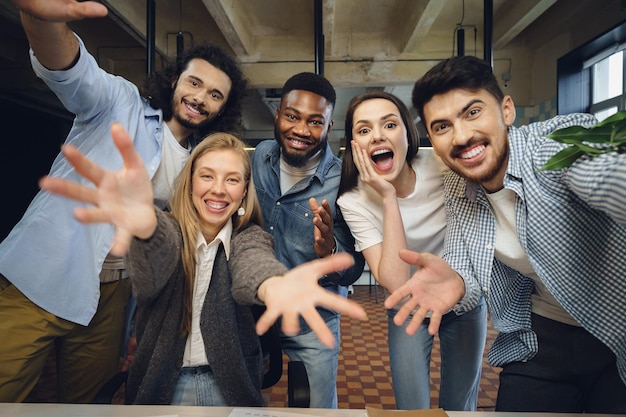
(227, 324)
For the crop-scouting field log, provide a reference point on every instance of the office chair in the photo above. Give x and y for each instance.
(298, 390)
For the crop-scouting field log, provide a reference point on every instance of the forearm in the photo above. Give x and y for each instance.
(54, 44)
(392, 272)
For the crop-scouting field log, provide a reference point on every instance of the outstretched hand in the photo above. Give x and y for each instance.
(297, 293)
(434, 288)
(61, 10)
(123, 198)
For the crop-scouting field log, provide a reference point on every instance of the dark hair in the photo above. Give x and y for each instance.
(158, 90)
(349, 171)
(459, 72)
(314, 83)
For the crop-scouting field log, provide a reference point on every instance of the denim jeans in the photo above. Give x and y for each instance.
(197, 387)
(462, 343)
(320, 362)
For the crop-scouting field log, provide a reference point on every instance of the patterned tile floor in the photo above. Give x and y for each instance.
(364, 376)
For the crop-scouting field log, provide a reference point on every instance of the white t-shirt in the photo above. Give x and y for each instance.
(509, 251)
(423, 213)
(173, 157)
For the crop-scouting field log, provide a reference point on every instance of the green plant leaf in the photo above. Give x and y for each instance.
(563, 159)
(609, 133)
(579, 134)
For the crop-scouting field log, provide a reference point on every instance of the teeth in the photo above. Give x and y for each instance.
(216, 205)
(299, 142)
(472, 153)
(193, 109)
(380, 152)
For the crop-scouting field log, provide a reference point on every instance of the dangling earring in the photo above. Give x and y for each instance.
(241, 211)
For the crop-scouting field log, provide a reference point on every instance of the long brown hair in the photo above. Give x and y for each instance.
(185, 213)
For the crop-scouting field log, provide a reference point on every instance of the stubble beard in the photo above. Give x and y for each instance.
(480, 178)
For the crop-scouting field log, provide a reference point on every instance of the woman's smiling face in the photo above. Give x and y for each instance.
(218, 188)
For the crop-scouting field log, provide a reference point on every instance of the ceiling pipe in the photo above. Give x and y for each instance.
(150, 35)
(460, 41)
(488, 28)
(319, 38)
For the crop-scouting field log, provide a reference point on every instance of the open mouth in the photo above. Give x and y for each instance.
(383, 159)
(215, 205)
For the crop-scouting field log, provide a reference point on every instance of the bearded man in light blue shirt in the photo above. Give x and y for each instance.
(58, 283)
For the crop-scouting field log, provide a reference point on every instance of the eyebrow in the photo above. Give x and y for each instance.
(463, 110)
(293, 109)
(385, 117)
(217, 90)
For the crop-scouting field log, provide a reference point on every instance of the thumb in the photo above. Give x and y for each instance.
(412, 258)
(330, 264)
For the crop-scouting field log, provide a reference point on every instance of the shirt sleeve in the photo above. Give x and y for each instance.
(365, 232)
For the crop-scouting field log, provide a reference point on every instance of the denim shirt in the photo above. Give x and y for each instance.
(49, 256)
(289, 219)
(572, 226)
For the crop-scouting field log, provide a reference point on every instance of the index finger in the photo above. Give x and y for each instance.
(124, 144)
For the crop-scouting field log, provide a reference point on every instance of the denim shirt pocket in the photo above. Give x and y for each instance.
(298, 229)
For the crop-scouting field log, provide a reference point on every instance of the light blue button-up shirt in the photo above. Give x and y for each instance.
(571, 224)
(49, 256)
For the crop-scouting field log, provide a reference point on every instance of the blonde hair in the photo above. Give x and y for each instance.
(183, 210)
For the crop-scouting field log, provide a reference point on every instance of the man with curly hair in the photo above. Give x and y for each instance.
(59, 286)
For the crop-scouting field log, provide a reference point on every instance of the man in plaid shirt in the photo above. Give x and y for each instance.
(545, 248)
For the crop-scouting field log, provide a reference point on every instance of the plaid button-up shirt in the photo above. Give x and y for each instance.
(571, 224)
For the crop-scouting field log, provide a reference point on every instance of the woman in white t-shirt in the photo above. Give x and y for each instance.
(391, 197)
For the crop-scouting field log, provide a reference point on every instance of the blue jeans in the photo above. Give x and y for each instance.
(197, 387)
(462, 341)
(320, 362)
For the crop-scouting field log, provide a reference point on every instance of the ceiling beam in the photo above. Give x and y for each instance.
(328, 11)
(516, 19)
(233, 24)
(425, 21)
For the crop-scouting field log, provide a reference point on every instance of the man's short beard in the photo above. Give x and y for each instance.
(489, 175)
(297, 160)
(193, 126)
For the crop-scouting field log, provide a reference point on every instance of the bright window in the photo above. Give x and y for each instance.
(608, 85)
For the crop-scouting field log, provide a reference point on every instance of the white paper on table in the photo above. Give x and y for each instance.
(247, 412)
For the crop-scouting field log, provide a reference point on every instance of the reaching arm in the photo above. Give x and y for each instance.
(50, 38)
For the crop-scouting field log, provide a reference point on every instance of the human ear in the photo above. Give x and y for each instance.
(508, 110)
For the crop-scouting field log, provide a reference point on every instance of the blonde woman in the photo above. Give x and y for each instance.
(197, 270)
